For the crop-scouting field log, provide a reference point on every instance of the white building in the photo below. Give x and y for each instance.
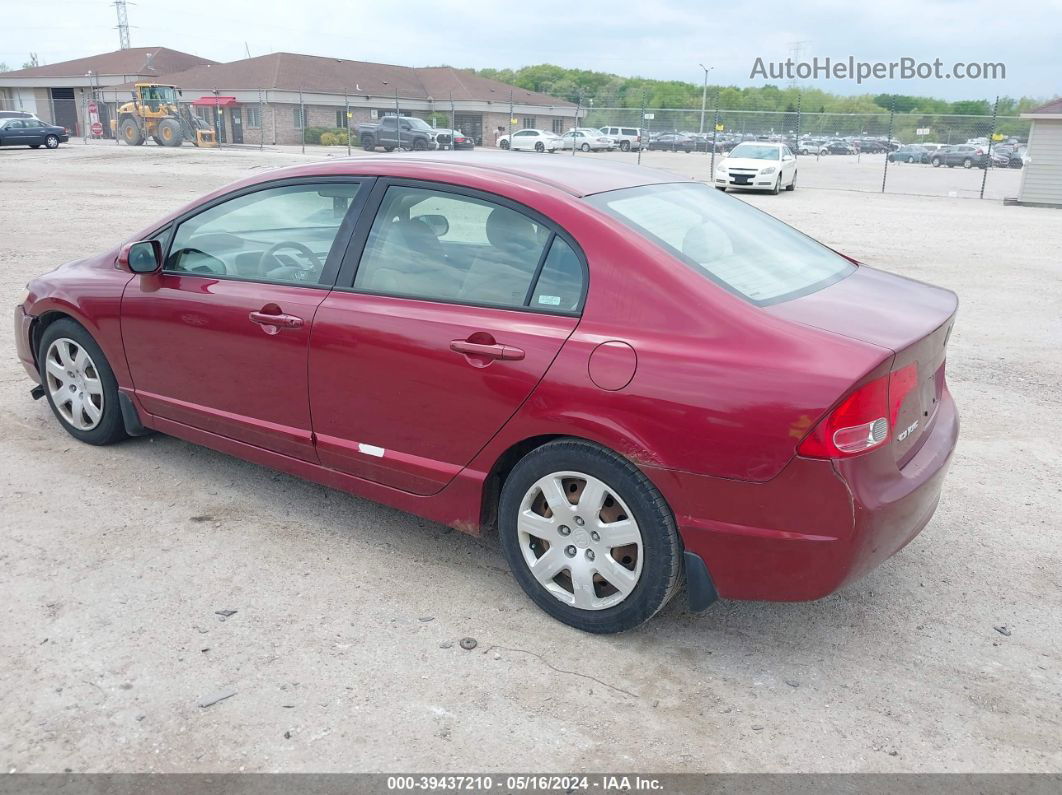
(1041, 179)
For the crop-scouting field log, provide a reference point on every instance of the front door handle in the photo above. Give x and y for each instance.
(272, 323)
(494, 351)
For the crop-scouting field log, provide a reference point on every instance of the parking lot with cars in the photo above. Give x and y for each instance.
(147, 579)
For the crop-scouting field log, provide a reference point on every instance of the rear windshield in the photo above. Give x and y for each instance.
(746, 251)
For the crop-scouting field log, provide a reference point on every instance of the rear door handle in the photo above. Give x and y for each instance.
(268, 320)
(504, 352)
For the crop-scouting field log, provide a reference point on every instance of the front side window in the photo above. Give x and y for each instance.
(442, 246)
(746, 251)
(279, 234)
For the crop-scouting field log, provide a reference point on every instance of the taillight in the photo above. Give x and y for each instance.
(862, 420)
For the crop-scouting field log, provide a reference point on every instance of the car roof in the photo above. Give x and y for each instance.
(578, 176)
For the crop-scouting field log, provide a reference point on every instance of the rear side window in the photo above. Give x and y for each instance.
(744, 250)
(441, 246)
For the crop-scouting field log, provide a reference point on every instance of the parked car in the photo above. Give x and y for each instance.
(769, 421)
(872, 146)
(671, 142)
(757, 165)
(532, 140)
(587, 139)
(910, 153)
(837, 147)
(446, 138)
(812, 147)
(626, 138)
(397, 132)
(965, 155)
(31, 132)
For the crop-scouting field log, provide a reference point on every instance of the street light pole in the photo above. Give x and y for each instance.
(704, 92)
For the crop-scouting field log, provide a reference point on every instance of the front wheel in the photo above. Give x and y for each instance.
(777, 186)
(585, 147)
(420, 145)
(504, 144)
(792, 185)
(79, 384)
(588, 537)
(967, 163)
(936, 162)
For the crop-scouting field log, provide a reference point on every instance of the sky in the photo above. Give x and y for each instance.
(664, 39)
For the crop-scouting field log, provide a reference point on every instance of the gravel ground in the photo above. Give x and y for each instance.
(343, 651)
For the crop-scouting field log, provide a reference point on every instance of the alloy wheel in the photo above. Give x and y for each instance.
(74, 384)
(579, 540)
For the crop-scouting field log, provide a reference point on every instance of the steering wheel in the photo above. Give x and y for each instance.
(270, 263)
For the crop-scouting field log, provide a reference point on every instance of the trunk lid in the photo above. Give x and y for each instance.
(910, 318)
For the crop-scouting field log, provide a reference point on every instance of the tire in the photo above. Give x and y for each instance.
(625, 146)
(967, 163)
(540, 147)
(170, 132)
(368, 143)
(51, 142)
(656, 562)
(131, 133)
(389, 149)
(504, 144)
(585, 147)
(936, 162)
(777, 186)
(910, 160)
(420, 145)
(792, 185)
(108, 427)
(721, 187)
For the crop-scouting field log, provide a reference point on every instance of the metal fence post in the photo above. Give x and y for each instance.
(453, 119)
(796, 135)
(510, 120)
(885, 171)
(715, 138)
(84, 120)
(641, 121)
(261, 122)
(346, 118)
(219, 123)
(991, 134)
(578, 108)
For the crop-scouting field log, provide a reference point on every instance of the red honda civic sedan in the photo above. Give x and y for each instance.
(639, 382)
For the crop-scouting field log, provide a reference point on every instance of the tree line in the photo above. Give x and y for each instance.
(631, 92)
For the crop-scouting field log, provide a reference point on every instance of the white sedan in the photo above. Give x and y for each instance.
(531, 141)
(757, 165)
(587, 139)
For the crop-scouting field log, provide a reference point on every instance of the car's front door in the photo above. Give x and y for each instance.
(459, 304)
(218, 339)
(14, 133)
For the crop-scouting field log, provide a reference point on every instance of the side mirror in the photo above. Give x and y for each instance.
(142, 257)
(438, 224)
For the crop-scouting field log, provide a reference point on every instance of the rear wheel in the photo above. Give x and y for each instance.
(131, 133)
(79, 384)
(540, 147)
(389, 149)
(588, 537)
(936, 162)
(910, 159)
(625, 146)
(585, 147)
(368, 143)
(967, 163)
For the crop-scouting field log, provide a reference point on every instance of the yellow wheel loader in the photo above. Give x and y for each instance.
(155, 113)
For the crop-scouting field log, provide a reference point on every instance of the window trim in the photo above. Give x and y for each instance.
(336, 253)
(348, 269)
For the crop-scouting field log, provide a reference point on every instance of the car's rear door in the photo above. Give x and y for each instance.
(218, 339)
(428, 351)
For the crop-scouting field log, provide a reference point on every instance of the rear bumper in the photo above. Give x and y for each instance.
(23, 347)
(815, 527)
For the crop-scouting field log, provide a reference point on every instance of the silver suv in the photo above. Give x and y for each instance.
(626, 138)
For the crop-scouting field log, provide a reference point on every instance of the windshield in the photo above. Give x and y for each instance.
(746, 251)
(755, 152)
(159, 94)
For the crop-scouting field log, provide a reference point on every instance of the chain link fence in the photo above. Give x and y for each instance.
(915, 153)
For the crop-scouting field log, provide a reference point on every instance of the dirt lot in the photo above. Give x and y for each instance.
(343, 650)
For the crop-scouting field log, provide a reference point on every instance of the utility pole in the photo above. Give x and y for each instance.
(123, 24)
(704, 93)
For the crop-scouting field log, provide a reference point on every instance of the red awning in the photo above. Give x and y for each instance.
(221, 102)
